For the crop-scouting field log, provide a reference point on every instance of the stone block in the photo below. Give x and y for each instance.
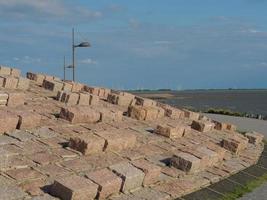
(15, 72)
(39, 78)
(84, 99)
(24, 174)
(110, 115)
(151, 171)
(186, 162)
(120, 99)
(87, 144)
(23, 83)
(234, 144)
(8, 121)
(74, 188)
(77, 87)
(140, 101)
(146, 113)
(22, 136)
(171, 131)
(43, 158)
(48, 77)
(94, 100)
(59, 95)
(16, 99)
(137, 112)
(80, 114)
(170, 111)
(191, 115)
(221, 126)
(10, 82)
(131, 176)
(118, 140)
(71, 98)
(202, 126)
(67, 86)
(11, 192)
(92, 90)
(152, 113)
(52, 85)
(2, 81)
(28, 120)
(3, 96)
(109, 183)
(254, 137)
(5, 70)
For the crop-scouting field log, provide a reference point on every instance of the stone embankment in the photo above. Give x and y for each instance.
(66, 140)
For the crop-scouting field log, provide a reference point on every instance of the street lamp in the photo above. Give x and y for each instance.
(83, 44)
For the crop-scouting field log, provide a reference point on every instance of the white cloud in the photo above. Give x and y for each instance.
(88, 61)
(45, 9)
(26, 60)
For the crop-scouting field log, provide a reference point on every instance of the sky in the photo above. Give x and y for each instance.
(138, 44)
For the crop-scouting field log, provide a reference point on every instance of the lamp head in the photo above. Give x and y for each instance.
(84, 44)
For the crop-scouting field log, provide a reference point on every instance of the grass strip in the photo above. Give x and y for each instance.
(242, 190)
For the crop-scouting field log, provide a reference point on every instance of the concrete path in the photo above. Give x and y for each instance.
(258, 194)
(243, 124)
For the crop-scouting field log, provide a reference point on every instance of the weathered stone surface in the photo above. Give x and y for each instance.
(171, 131)
(10, 82)
(16, 99)
(23, 83)
(74, 188)
(44, 158)
(94, 100)
(33, 187)
(202, 126)
(145, 112)
(110, 115)
(28, 120)
(87, 144)
(84, 99)
(224, 126)
(80, 114)
(235, 143)
(21, 135)
(186, 162)
(149, 193)
(71, 98)
(254, 137)
(39, 78)
(15, 72)
(118, 140)
(8, 121)
(5, 70)
(171, 112)
(191, 115)
(109, 183)
(53, 170)
(24, 174)
(151, 171)
(140, 101)
(77, 165)
(132, 177)
(11, 192)
(53, 85)
(121, 100)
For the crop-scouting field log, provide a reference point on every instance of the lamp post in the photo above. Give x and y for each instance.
(82, 44)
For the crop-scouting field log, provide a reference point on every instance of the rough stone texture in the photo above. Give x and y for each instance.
(171, 112)
(8, 121)
(16, 99)
(28, 120)
(145, 112)
(118, 141)
(171, 131)
(87, 144)
(202, 126)
(151, 171)
(186, 162)
(224, 126)
(74, 188)
(10, 82)
(235, 144)
(53, 85)
(191, 115)
(21, 135)
(109, 183)
(121, 100)
(131, 176)
(84, 99)
(24, 174)
(15, 72)
(23, 83)
(80, 114)
(70, 98)
(39, 78)
(145, 102)
(254, 137)
(110, 115)
(5, 70)
(43, 158)
(11, 193)
(94, 100)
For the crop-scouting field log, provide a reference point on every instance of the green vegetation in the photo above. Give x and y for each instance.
(225, 112)
(242, 190)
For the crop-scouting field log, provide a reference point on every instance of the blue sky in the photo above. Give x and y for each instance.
(178, 44)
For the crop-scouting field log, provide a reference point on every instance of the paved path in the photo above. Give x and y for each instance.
(243, 124)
